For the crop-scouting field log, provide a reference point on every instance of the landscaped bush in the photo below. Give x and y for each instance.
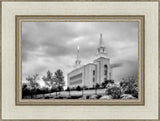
(28, 91)
(114, 91)
(78, 88)
(129, 85)
(135, 92)
(106, 82)
(47, 97)
(68, 89)
(25, 91)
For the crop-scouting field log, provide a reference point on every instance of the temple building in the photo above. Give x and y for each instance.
(96, 72)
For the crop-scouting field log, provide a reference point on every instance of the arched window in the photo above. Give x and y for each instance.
(105, 71)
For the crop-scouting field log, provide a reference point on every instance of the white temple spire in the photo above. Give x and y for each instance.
(78, 52)
(101, 49)
(101, 41)
(78, 61)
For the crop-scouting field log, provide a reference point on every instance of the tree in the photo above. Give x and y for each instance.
(114, 91)
(33, 84)
(44, 90)
(25, 90)
(129, 85)
(78, 88)
(106, 82)
(103, 84)
(96, 87)
(50, 81)
(59, 79)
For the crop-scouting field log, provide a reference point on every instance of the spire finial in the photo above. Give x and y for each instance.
(78, 52)
(77, 62)
(100, 35)
(101, 48)
(100, 42)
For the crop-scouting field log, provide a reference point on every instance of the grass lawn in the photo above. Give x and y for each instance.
(72, 93)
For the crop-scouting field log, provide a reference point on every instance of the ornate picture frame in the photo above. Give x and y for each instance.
(20, 19)
(18, 103)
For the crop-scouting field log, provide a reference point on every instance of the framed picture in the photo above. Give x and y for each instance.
(80, 60)
(77, 83)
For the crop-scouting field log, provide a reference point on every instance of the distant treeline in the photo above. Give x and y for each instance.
(53, 83)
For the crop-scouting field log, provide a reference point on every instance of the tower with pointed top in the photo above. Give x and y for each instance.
(78, 61)
(101, 50)
(92, 73)
(102, 63)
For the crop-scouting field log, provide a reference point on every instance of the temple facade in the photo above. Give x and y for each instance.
(95, 72)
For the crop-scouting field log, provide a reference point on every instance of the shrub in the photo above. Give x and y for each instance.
(114, 91)
(78, 88)
(68, 89)
(47, 97)
(135, 92)
(97, 86)
(25, 90)
(129, 85)
(106, 82)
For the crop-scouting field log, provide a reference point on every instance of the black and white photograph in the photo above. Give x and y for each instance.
(80, 60)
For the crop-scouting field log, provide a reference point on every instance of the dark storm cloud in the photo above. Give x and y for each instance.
(51, 38)
(52, 45)
(116, 65)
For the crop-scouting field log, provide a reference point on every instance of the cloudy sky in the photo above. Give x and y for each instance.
(52, 46)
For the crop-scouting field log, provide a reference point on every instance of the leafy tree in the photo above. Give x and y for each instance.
(103, 84)
(114, 91)
(106, 82)
(24, 86)
(54, 88)
(78, 88)
(50, 81)
(25, 90)
(59, 79)
(33, 84)
(44, 90)
(129, 85)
